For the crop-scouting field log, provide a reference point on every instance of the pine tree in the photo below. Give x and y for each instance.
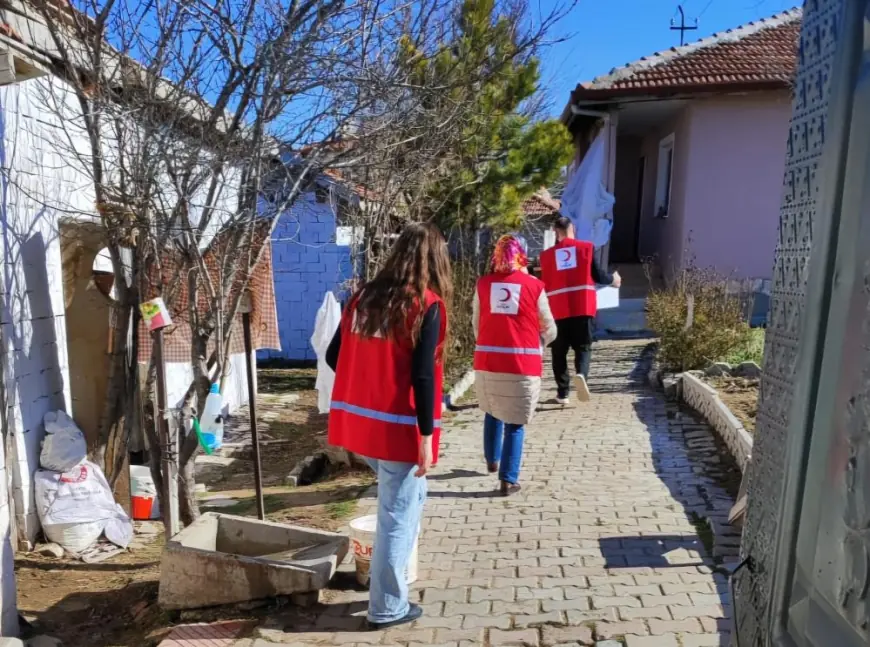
(503, 155)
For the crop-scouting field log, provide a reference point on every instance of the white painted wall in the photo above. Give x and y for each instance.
(37, 188)
(42, 181)
(33, 346)
(8, 607)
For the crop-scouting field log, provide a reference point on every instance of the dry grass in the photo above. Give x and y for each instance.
(461, 349)
(697, 320)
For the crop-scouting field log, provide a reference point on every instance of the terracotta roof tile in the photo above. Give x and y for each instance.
(762, 53)
(540, 204)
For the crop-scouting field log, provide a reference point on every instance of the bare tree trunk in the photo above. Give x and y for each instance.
(188, 506)
(113, 426)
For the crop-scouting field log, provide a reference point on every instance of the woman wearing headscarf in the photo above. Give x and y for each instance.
(512, 320)
(386, 404)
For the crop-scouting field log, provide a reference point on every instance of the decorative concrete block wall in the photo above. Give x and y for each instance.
(32, 324)
(8, 607)
(307, 263)
(37, 178)
(704, 399)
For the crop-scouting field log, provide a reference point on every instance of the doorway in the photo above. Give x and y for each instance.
(641, 179)
(626, 210)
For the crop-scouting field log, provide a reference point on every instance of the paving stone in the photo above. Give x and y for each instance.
(476, 609)
(457, 635)
(551, 618)
(681, 612)
(652, 641)
(445, 595)
(575, 617)
(716, 625)
(706, 640)
(552, 636)
(618, 629)
(486, 622)
(503, 595)
(526, 637)
(689, 625)
(601, 533)
(565, 605)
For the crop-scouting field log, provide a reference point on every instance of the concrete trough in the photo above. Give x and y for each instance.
(225, 559)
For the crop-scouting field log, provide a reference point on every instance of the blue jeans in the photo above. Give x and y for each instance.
(400, 506)
(508, 454)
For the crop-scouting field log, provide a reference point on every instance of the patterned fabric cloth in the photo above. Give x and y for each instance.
(177, 337)
(509, 254)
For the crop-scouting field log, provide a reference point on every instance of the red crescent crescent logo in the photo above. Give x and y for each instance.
(567, 256)
(507, 295)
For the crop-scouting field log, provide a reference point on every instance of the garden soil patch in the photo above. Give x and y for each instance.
(741, 396)
(114, 603)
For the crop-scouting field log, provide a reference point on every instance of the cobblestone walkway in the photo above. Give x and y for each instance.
(602, 544)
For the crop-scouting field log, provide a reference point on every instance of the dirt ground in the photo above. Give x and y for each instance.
(114, 604)
(741, 396)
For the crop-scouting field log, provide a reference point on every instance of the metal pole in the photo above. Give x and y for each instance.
(168, 452)
(252, 407)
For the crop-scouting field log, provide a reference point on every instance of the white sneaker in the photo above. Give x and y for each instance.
(563, 401)
(582, 388)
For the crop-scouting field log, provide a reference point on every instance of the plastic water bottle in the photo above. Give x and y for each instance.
(212, 423)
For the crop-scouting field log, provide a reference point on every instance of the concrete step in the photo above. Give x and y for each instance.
(629, 317)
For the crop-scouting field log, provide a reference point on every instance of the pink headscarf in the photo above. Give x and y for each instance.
(509, 254)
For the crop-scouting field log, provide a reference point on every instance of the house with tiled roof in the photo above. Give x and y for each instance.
(540, 211)
(696, 140)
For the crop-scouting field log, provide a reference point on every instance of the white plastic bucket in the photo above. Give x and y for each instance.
(362, 537)
(143, 493)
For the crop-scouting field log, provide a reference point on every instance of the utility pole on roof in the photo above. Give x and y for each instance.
(682, 27)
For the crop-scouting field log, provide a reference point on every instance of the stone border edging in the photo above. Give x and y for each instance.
(704, 399)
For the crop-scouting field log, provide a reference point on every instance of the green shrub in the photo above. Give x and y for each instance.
(751, 351)
(697, 320)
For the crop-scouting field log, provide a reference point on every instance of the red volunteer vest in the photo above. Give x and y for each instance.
(509, 332)
(372, 411)
(566, 270)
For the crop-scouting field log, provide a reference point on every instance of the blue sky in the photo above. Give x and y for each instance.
(603, 34)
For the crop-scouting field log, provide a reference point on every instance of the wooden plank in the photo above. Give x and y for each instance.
(738, 512)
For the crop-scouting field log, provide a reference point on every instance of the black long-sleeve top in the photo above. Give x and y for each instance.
(422, 367)
(600, 276)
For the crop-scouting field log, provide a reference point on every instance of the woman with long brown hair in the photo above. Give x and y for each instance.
(386, 403)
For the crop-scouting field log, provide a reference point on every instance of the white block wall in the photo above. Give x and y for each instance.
(8, 607)
(41, 181)
(37, 188)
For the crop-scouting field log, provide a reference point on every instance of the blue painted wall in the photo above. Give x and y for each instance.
(306, 263)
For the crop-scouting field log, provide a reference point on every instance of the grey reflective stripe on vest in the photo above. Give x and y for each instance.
(576, 288)
(507, 350)
(380, 416)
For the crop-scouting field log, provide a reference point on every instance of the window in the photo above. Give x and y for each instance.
(663, 179)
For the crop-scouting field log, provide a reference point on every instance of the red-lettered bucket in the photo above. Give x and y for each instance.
(362, 539)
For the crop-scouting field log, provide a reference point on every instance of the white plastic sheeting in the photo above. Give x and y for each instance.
(76, 507)
(325, 325)
(586, 199)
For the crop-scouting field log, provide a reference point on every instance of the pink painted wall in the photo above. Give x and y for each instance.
(733, 184)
